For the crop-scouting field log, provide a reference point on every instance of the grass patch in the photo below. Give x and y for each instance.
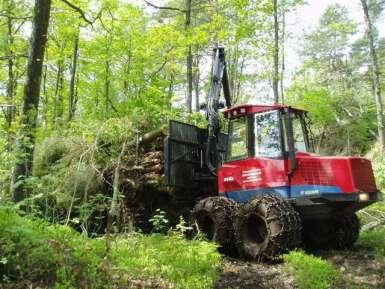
(374, 239)
(311, 272)
(32, 250)
(188, 264)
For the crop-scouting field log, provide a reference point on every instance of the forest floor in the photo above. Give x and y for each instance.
(359, 270)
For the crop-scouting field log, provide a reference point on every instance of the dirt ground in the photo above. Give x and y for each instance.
(359, 268)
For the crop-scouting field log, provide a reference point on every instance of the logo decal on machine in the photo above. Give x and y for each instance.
(251, 175)
(228, 179)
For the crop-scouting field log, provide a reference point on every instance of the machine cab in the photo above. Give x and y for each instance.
(262, 146)
(265, 131)
(269, 152)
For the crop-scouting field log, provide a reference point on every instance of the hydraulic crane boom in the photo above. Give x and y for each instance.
(192, 154)
(219, 80)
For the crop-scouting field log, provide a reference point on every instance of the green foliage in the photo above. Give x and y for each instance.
(33, 250)
(378, 163)
(375, 240)
(332, 85)
(159, 221)
(311, 272)
(187, 264)
(59, 257)
(49, 153)
(182, 227)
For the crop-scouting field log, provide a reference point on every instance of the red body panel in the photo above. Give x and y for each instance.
(348, 174)
(252, 173)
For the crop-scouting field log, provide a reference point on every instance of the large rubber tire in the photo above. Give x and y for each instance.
(213, 217)
(340, 233)
(267, 227)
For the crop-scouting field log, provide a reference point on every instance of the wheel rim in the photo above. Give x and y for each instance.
(255, 229)
(206, 226)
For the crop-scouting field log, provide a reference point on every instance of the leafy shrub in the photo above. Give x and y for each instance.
(374, 239)
(31, 250)
(159, 221)
(49, 153)
(35, 251)
(311, 272)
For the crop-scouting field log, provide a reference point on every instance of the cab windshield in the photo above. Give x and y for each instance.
(256, 135)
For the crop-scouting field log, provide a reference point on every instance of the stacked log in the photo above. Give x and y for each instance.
(143, 188)
(142, 180)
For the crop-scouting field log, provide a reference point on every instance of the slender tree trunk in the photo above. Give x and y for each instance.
(189, 59)
(196, 82)
(237, 90)
(72, 97)
(375, 76)
(44, 98)
(107, 87)
(127, 70)
(11, 77)
(170, 92)
(58, 109)
(26, 143)
(233, 70)
(283, 55)
(276, 53)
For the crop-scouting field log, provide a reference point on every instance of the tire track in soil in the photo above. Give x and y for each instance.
(359, 269)
(239, 274)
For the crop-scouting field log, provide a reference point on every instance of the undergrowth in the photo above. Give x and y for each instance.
(189, 264)
(374, 239)
(311, 272)
(35, 252)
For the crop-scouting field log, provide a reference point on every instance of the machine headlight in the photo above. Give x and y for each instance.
(363, 197)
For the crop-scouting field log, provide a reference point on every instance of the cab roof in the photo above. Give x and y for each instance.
(247, 109)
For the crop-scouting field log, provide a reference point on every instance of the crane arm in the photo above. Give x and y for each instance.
(219, 80)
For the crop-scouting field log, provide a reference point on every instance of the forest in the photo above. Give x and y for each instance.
(87, 91)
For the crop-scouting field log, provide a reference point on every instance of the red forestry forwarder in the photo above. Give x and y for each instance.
(259, 188)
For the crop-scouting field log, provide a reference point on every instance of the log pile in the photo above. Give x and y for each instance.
(142, 180)
(142, 185)
(149, 170)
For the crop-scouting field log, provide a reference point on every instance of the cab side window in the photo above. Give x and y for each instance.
(238, 139)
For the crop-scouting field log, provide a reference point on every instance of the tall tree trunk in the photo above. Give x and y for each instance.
(58, 109)
(189, 59)
(11, 76)
(196, 82)
(72, 96)
(170, 92)
(127, 70)
(44, 98)
(107, 88)
(283, 55)
(26, 143)
(58, 103)
(276, 53)
(375, 76)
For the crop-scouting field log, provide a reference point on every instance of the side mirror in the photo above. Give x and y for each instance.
(290, 141)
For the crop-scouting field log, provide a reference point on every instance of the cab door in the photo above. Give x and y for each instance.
(255, 160)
